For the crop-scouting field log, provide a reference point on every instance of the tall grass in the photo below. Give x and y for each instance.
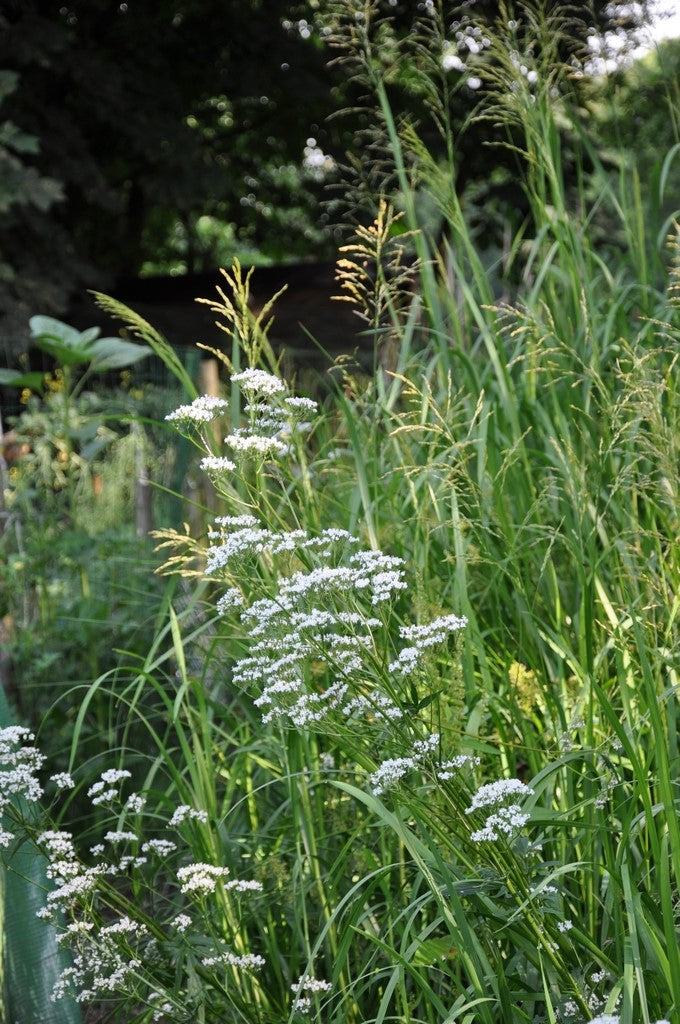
(521, 458)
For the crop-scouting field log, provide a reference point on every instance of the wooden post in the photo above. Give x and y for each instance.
(209, 384)
(143, 509)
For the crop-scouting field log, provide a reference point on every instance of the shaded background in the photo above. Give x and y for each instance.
(165, 137)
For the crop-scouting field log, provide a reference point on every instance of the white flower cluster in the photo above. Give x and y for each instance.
(62, 859)
(272, 422)
(115, 956)
(244, 520)
(310, 618)
(448, 769)
(395, 768)
(185, 813)
(216, 464)
(245, 961)
(102, 963)
(247, 542)
(371, 571)
(200, 878)
(105, 791)
(19, 764)
(161, 1006)
(258, 382)
(232, 598)
(204, 878)
(305, 983)
(201, 411)
(319, 614)
(120, 837)
(494, 793)
(250, 539)
(62, 780)
(74, 881)
(243, 442)
(507, 818)
(161, 847)
(613, 1018)
(422, 638)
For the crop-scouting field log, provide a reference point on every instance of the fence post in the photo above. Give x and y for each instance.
(143, 509)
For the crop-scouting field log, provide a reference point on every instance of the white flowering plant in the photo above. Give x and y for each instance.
(190, 912)
(327, 663)
(424, 764)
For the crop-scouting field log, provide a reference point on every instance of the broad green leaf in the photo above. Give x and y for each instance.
(89, 335)
(59, 340)
(112, 353)
(47, 326)
(17, 379)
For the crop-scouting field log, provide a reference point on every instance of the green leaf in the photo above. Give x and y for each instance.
(19, 141)
(89, 335)
(112, 353)
(17, 379)
(70, 346)
(47, 326)
(59, 340)
(426, 701)
(433, 951)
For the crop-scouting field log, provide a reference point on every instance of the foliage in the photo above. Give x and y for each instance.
(633, 114)
(173, 132)
(74, 573)
(180, 139)
(411, 738)
(22, 184)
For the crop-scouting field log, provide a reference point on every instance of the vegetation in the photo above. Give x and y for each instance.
(403, 745)
(180, 140)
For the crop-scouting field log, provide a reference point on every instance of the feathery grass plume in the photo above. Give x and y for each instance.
(376, 276)
(249, 329)
(186, 553)
(673, 246)
(139, 328)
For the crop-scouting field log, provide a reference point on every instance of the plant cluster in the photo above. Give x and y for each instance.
(408, 750)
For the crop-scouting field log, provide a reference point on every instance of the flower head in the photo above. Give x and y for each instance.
(258, 382)
(202, 410)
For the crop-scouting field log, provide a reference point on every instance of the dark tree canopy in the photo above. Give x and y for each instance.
(168, 130)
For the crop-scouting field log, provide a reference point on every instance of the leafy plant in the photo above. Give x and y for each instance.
(407, 731)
